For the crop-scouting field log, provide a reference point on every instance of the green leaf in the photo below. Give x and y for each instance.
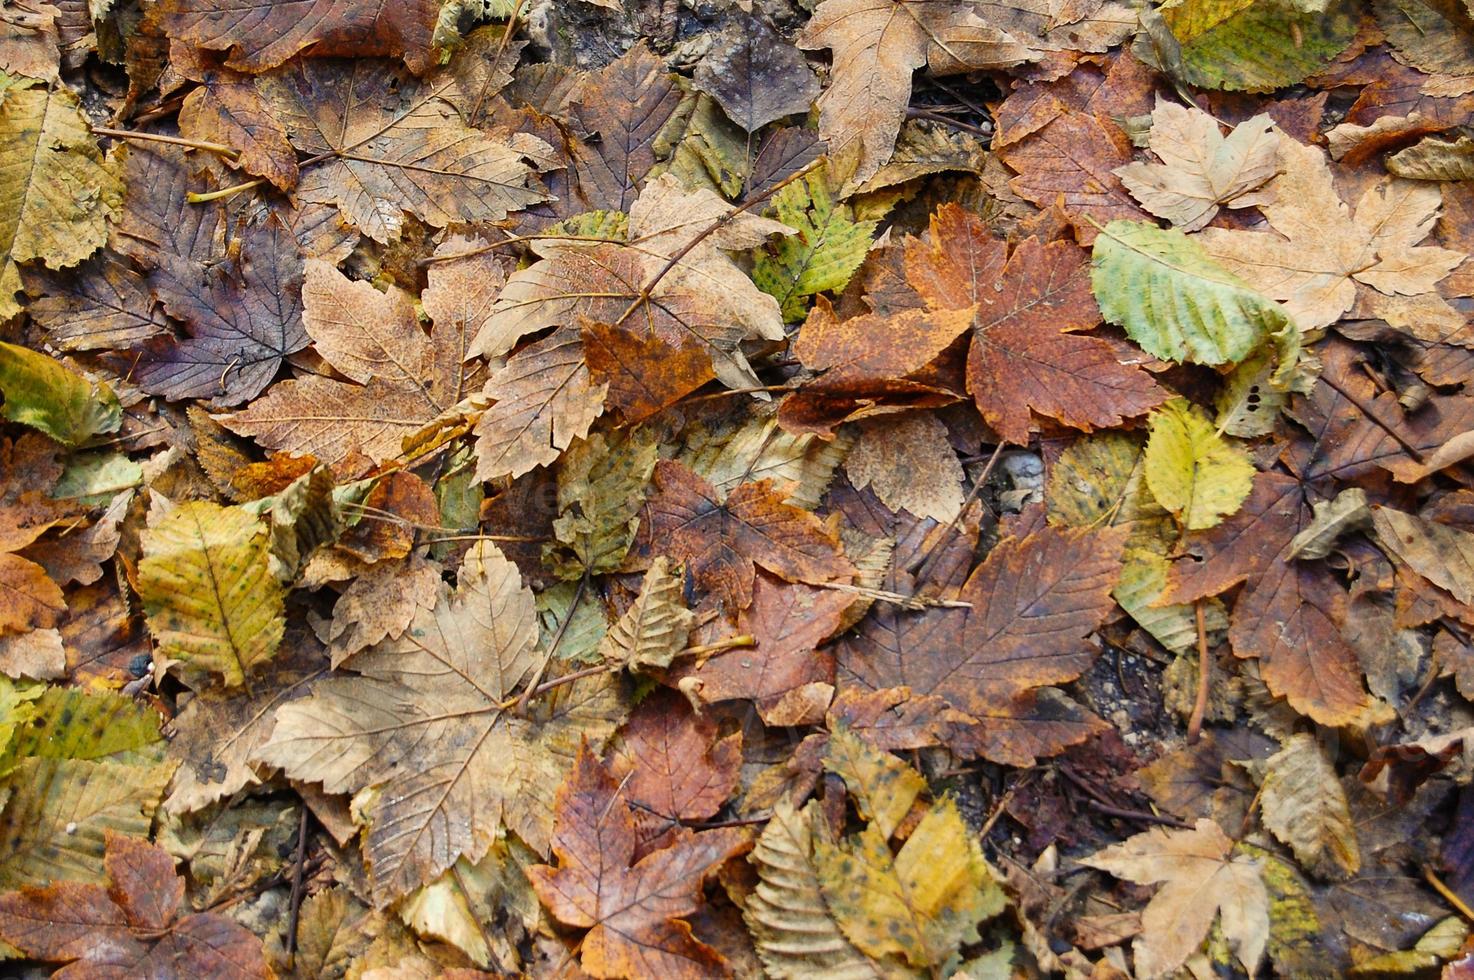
(1249, 45)
(1191, 469)
(1179, 304)
(829, 246)
(209, 595)
(601, 486)
(43, 393)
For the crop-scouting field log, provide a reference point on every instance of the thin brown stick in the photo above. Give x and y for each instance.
(972, 495)
(1377, 420)
(684, 250)
(1140, 816)
(128, 134)
(730, 643)
(298, 874)
(946, 120)
(1205, 663)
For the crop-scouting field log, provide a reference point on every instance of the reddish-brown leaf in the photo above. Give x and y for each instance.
(1034, 600)
(723, 540)
(1290, 614)
(1075, 156)
(1025, 355)
(635, 911)
(673, 767)
(261, 34)
(133, 928)
(644, 371)
(788, 622)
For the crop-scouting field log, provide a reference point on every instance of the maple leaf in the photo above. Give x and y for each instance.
(103, 303)
(1201, 880)
(1033, 600)
(58, 193)
(228, 109)
(702, 295)
(788, 622)
(545, 399)
(1320, 255)
(1201, 169)
(241, 301)
(628, 103)
(133, 927)
(261, 34)
(402, 379)
(909, 463)
(1290, 615)
(1025, 354)
(1073, 160)
(633, 909)
(644, 371)
(387, 147)
(673, 768)
(722, 540)
(424, 714)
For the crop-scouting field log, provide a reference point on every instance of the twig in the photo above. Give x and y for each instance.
(645, 291)
(1200, 706)
(297, 880)
(1138, 815)
(947, 120)
(521, 703)
(128, 134)
(913, 602)
(1449, 895)
(972, 495)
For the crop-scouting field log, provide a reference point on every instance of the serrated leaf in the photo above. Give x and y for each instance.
(601, 485)
(56, 193)
(883, 786)
(920, 903)
(208, 592)
(1193, 471)
(1175, 301)
(795, 933)
(829, 246)
(656, 625)
(1304, 805)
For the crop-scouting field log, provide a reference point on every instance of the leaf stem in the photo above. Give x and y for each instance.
(128, 134)
(1200, 706)
(198, 197)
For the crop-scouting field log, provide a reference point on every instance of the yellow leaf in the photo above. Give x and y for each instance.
(884, 787)
(1192, 470)
(56, 193)
(210, 598)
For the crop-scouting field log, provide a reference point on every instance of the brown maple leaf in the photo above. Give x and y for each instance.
(877, 45)
(1073, 159)
(1291, 613)
(132, 928)
(227, 108)
(672, 767)
(1033, 601)
(385, 146)
(545, 399)
(722, 540)
(788, 622)
(262, 34)
(1026, 354)
(401, 378)
(634, 910)
(644, 371)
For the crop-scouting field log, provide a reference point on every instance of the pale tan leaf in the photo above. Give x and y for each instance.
(910, 464)
(655, 626)
(1303, 804)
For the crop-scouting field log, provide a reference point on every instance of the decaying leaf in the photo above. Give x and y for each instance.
(1193, 471)
(1202, 880)
(1305, 806)
(634, 910)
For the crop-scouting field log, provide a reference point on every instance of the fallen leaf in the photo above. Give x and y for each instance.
(441, 684)
(755, 75)
(722, 540)
(133, 927)
(634, 911)
(58, 191)
(1303, 804)
(1201, 169)
(261, 34)
(910, 465)
(1443, 555)
(656, 626)
(1193, 471)
(1202, 880)
(829, 246)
